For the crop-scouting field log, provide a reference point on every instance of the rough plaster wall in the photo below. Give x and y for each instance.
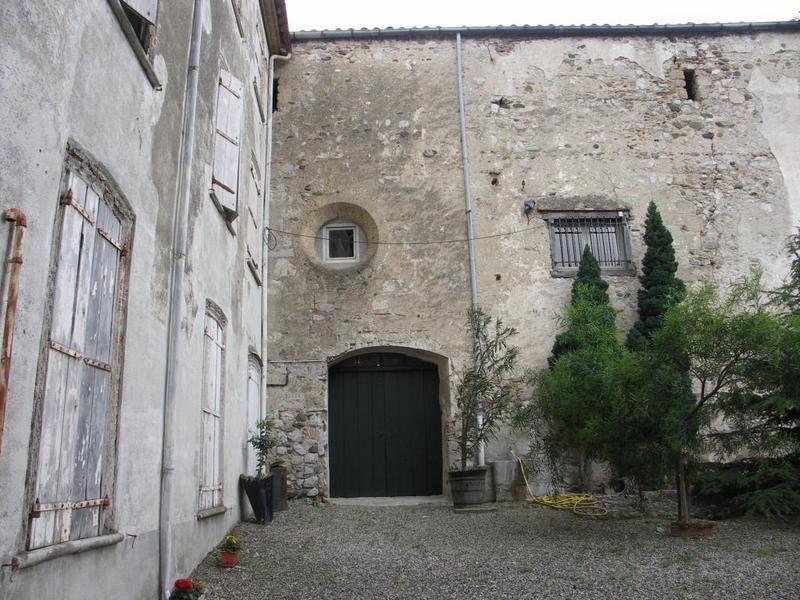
(68, 72)
(217, 271)
(589, 123)
(373, 125)
(605, 129)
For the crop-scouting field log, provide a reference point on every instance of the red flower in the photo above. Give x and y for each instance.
(184, 585)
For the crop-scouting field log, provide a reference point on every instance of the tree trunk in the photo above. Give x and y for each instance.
(683, 495)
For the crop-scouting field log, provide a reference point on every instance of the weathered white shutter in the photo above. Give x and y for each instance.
(210, 469)
(253, 408)
(225, 181)
(69, 493)
(253, 225)
(147, 9)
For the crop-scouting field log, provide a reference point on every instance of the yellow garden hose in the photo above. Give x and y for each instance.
(584, 505)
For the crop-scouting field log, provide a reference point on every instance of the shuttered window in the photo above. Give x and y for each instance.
(146, 9)
(253, 224)
(77, 417)
(211, 468)
(237, 13)
(606, 234)
(225, 178)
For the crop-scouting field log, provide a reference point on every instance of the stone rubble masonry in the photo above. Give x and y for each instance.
(372, 127)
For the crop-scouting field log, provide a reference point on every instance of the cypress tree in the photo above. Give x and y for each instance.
(590, 286)
(660, 287)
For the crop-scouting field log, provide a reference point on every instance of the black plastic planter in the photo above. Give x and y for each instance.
(259, 493)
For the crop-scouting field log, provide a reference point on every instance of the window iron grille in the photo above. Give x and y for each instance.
(605, 233)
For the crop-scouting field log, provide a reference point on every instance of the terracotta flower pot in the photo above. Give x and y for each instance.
(692, 529)
(228, 558)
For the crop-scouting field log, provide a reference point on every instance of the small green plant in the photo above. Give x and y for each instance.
(230, 544)
(588, 287)
(187, 589)
(678, 559)
(617, 550)
(661, 288)
(769, 551)
(263, 440)
(482, 389)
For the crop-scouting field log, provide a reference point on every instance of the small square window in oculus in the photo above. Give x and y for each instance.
(341, 243)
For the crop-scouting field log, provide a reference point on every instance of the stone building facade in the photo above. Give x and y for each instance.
(94, 98)
(147, 177)
(587, 123)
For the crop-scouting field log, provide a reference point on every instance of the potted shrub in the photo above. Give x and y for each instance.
(258, 487)
(229, 551)
(481, 391)
(187, 589)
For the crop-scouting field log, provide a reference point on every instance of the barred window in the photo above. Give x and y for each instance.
(606, 234)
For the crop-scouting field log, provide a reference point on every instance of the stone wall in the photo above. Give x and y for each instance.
(573, 123)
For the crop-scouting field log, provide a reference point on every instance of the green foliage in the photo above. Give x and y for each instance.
(603, 402)
(263, 440)
(743, 355)
(588, 286)
(482, 389)
(787, 297)
(573, 396)
(230, 544)
(660, 286)
(766, 486)
(725, 359)
(187, 589)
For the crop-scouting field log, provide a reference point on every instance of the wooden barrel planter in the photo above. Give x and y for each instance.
(468, 487)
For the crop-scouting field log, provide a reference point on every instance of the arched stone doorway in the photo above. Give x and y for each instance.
(385, 435)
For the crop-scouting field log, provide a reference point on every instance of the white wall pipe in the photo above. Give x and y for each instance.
(176, 301)
(473, 277)
(267, 196)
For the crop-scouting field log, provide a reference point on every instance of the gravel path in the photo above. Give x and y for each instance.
(520, 551)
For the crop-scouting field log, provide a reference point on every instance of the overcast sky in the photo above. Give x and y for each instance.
(332, 14)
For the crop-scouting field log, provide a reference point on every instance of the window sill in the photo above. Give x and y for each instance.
(614, 273)
(136, 46)
(40, 555)
(211, 512)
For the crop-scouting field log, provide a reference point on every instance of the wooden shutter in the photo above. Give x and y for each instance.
(68, 492)
(225, 181)
(147, 9)
(210, 473)
(253, 226)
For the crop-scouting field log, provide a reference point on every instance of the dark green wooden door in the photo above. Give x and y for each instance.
(385, 435)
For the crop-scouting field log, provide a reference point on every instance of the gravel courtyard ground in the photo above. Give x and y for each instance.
(520, 551)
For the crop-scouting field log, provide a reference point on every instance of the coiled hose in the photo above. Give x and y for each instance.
(584, 505)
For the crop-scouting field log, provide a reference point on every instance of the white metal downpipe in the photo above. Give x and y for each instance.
(267, 196)
(176, 302)
(473, 277)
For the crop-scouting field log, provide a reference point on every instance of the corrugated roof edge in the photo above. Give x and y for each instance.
(545, 30)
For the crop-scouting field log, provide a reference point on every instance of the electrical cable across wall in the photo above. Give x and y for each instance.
(271, 233)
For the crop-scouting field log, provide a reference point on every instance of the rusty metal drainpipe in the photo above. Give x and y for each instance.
(16, 216)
